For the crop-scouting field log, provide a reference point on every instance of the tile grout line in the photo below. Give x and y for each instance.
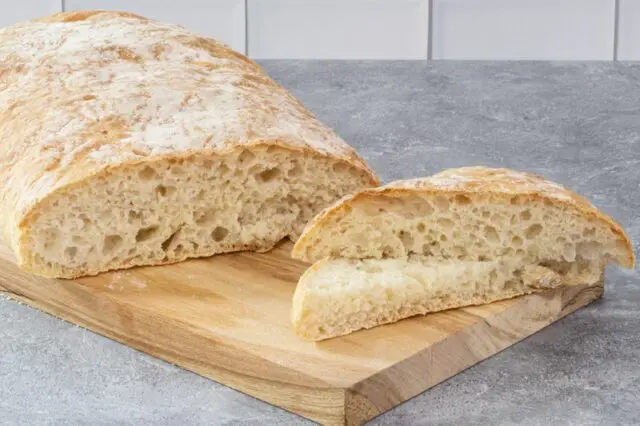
(616, 28)
(246, 27)
(430, 30)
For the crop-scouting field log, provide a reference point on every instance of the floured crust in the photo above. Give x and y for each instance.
(85, 92)
(499, 184)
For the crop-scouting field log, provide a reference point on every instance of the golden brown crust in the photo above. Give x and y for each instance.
(84, 15)
(501, 185)
(82, 93)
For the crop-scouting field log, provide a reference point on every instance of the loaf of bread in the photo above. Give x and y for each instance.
(462, 237)
(132, 142)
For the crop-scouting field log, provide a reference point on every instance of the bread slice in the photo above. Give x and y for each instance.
(339, 296)
(462, 237)
(131, 142)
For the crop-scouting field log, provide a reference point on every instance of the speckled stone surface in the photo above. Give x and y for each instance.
(578, 124)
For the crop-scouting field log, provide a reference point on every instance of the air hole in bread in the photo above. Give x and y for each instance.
(497, 219)
(525, 215)
(219, 233)
(533, 231)
(111, 243)
(507, 251)
(145, 234)
(459, 252)
(462, 199)
(247, 156)
(147, 173)
(421, 227)
(167, 242)
(161, 190)
(70, 252)
(446, 224)
(491, 234)
(134, 216)
(407, 239)
(222, 169)
(269, 174)
(339, 167)
(512, 284)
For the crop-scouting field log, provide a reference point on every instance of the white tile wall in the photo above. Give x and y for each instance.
(629, 30)
(338, 29)
(12, 12)
(523, 29)
(221, 19)
(388, 29)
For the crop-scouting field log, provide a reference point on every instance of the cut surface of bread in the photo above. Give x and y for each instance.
(336, 297)
(478, 216)
(166, 211)
(127, 141)
(471, 213)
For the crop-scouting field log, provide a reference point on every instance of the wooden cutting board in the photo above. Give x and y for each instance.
(227, 318)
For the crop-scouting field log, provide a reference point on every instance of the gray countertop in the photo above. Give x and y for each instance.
(576, 123)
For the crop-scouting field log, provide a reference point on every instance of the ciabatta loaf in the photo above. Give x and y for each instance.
(132, 142)
(462, 237)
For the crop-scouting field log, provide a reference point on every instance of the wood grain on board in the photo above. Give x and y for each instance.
(228, 318)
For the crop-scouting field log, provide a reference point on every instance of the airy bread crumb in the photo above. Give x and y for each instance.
(166, 211)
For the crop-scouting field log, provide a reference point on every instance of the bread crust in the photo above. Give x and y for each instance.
(500, 185)
(83, 94)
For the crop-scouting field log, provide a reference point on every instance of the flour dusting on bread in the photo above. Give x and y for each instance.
(87, 98)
